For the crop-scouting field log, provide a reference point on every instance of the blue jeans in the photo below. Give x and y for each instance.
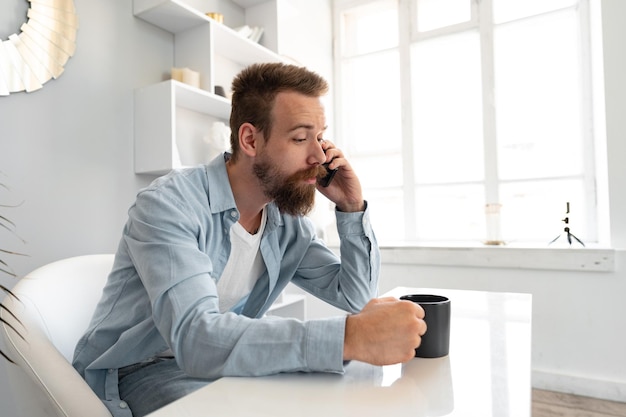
(149, 386)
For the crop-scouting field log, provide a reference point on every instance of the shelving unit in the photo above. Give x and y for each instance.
(156, 118)
(216, 51)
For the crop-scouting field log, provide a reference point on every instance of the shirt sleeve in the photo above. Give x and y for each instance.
(164, 243)
(351, 280)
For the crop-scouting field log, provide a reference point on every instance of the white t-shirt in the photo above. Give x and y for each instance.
(244, 266)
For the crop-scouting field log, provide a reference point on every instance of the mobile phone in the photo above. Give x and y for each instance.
(330, 174)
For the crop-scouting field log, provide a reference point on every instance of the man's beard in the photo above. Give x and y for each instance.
(290, 194)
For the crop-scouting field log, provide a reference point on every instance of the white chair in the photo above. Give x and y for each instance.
(55, 305)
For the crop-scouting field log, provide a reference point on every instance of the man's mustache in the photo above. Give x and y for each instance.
(317, 171)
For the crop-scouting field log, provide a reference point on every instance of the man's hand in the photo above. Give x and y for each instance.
(345, 189)
(385, 332)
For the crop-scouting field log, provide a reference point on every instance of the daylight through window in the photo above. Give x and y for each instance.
(445, 106)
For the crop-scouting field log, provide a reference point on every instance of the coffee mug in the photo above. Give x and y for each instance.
(436, 340)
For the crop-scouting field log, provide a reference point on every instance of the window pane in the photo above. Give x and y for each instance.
(387, 214)
(379, 171)
(538, 98)
(450, 213)
(371, 27)
(435, 14)
(370, 105)
(533, 211)
(447, 109)
(536, 112)
(506, 10)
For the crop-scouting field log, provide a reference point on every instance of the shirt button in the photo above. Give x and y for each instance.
(233, 214)
(111, 370)
(123, 404)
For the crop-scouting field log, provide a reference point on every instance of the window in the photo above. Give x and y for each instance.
(446, 107)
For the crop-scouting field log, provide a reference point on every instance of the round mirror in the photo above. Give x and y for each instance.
(39, 48)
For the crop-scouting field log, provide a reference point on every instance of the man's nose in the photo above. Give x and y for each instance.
(318, 156)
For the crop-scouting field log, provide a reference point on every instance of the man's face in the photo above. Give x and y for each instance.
(288, 162)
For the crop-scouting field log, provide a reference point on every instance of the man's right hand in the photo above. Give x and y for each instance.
(385, 332)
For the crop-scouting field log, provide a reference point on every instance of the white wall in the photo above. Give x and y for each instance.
(614, 33)
(67, 149)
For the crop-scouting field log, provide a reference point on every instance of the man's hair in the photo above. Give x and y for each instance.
(254, 92)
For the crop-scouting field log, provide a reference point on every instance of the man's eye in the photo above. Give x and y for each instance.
(300, 139)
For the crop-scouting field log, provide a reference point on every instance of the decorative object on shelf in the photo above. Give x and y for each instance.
(253, 33)
(218, 17)
(218, 139)
(567, 233)
(492, 221)
(187, 76)
(39, 52)
(219, 90)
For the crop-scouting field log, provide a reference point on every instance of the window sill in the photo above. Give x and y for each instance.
(562, 259)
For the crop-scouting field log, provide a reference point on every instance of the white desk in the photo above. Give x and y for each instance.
(487, 374)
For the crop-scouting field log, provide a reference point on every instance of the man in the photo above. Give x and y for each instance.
(207, 250)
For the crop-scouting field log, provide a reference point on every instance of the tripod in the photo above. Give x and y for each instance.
(566, 230)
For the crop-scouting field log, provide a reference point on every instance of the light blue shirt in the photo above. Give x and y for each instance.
(161, 293)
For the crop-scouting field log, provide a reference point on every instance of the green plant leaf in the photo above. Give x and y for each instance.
(9, 226)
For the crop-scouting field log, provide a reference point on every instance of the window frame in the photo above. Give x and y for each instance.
(482, 21)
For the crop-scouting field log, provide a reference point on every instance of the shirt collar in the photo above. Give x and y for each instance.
(221, 194)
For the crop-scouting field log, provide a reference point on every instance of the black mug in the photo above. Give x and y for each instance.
(436, 340)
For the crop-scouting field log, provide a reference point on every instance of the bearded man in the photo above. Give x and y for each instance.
(207, 250)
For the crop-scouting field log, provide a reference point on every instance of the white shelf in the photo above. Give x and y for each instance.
(199, 100)
(175, 14)
(212, 49)
(176, 17)
(232, 45)
(172, 15)
(156, 109)
(248, 3)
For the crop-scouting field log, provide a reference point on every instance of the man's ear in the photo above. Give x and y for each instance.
(248, 139)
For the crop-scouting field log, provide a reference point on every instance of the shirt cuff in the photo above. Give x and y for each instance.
(325, 344)
(357, 223)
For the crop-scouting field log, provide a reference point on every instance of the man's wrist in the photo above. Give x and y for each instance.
(352, 208)
(347, 341)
